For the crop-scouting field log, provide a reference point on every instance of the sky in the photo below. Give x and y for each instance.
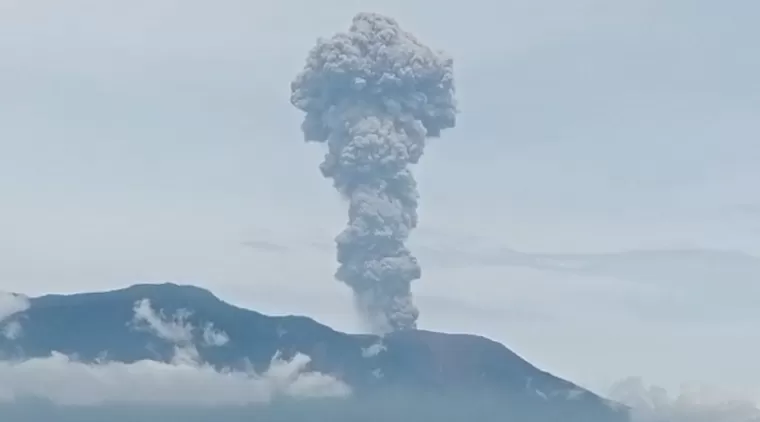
(592, 210)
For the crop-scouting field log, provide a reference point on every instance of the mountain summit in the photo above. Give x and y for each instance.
(407, 368)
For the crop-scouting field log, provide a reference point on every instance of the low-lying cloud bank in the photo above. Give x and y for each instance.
(65, 381)
(185, 380)
(697, 404)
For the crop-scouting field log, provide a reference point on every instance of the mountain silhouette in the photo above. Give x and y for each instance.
(407, 368)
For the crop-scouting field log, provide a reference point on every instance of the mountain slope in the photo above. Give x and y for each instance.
(414, 366)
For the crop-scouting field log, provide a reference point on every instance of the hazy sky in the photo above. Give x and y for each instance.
(593, 209)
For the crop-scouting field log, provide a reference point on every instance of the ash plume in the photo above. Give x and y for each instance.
(374, 94)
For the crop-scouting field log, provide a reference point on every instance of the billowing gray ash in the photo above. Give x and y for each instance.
(374, 94)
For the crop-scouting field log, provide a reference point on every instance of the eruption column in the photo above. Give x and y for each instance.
(374, 94)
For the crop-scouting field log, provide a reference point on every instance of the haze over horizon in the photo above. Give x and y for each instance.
(594, 210)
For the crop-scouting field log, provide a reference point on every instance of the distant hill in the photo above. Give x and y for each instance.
(427, 370)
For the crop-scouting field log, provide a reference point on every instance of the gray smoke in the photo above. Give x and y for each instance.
(374, 94)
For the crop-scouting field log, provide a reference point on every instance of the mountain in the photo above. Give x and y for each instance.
(454, 376)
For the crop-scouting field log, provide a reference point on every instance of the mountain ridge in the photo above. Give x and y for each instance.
(418, 361)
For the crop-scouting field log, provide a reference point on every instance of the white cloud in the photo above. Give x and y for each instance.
(185, 380)
(175, 329)
(12, 330)
(373, 350)
(214, 337)
(68, 382)
(691, 404)
(11, 304)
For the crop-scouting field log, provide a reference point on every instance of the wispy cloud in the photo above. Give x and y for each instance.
(12, 330)
(713, 278)
(641, 264)
(752, 209)
(11, 304)
(266, 246)
(175, 329)
(373, 350)
(214, 337)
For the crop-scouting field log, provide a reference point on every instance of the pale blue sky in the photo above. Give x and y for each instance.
(149, 140)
